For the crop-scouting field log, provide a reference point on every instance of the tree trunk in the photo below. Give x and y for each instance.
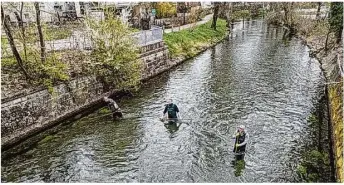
(326, 41)
(58, 17)
(216, 14)
(286, 13)
(339, 35)
(228, 14)
(291, 12)
(318, 11)
(6, 25)
(21, 26)
(40, 34)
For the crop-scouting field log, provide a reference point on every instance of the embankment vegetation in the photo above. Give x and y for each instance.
(189, 42)
(29, 64)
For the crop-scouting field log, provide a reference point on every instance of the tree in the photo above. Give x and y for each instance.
(241, 14)
(115, 57)
(22, 28)
(165, 9)
(336, 19)
(229, 14)
(40, 34)
(182, 8)
(216, 14)
(145, 19)
(6, 24)
(288, 14)
(318, 11)
(36, 72)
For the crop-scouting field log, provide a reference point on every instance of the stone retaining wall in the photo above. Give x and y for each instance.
(329, 63)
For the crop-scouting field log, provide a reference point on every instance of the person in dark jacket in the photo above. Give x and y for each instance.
(172, 111)
(114, 108)
(241, 139)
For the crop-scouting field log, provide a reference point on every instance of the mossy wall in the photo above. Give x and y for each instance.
(336, 110)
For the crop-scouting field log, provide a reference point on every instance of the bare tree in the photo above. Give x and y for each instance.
(40, 33)
(145, 19)
(216, 14)
(229, 13)
(6, 25)
(22, 28)
(318, 11)
(288, 14)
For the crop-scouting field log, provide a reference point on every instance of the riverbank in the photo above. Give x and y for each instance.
(330, 60)
(188, 43)
(334, 95)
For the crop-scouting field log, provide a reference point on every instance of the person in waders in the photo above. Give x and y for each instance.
(114, 108)
(172, 112)
(241, 138)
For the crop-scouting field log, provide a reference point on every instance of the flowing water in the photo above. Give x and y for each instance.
(256, 78)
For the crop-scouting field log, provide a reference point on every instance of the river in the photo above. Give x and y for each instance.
(254, 78)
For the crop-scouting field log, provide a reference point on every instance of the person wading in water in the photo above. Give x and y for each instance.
(172, 112)
(114, 108)
(241, 138)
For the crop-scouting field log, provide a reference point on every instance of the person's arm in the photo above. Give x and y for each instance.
(177, 111)
(115, 104)
(164, 111)
(245, 142)
(234, 134)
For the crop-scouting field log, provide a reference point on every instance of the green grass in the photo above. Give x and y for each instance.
(4, 41)
(133, 30)
(54, 33)
(189, 43)
(8, 62)
(50, 33)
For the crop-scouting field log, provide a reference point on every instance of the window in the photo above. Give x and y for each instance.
(41, 5)
(26, 16)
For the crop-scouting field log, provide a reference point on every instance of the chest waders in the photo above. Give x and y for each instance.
(239, 150)
(115, 112)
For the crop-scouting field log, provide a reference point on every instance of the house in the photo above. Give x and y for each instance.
(57, 11)
(206, 4)
(29, 13)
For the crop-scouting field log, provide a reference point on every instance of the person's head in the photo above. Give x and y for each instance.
(241, 128)
(106, 99)
(169, 100)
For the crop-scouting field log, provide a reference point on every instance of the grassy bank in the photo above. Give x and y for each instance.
(190, 42)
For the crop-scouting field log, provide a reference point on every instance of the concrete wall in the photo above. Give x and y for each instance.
(31, 112)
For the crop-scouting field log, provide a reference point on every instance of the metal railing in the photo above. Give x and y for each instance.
(146, 37)
(83, 41)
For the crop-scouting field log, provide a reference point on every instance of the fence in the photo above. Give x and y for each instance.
(175, 21)
(146, 37)
(82, 40)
